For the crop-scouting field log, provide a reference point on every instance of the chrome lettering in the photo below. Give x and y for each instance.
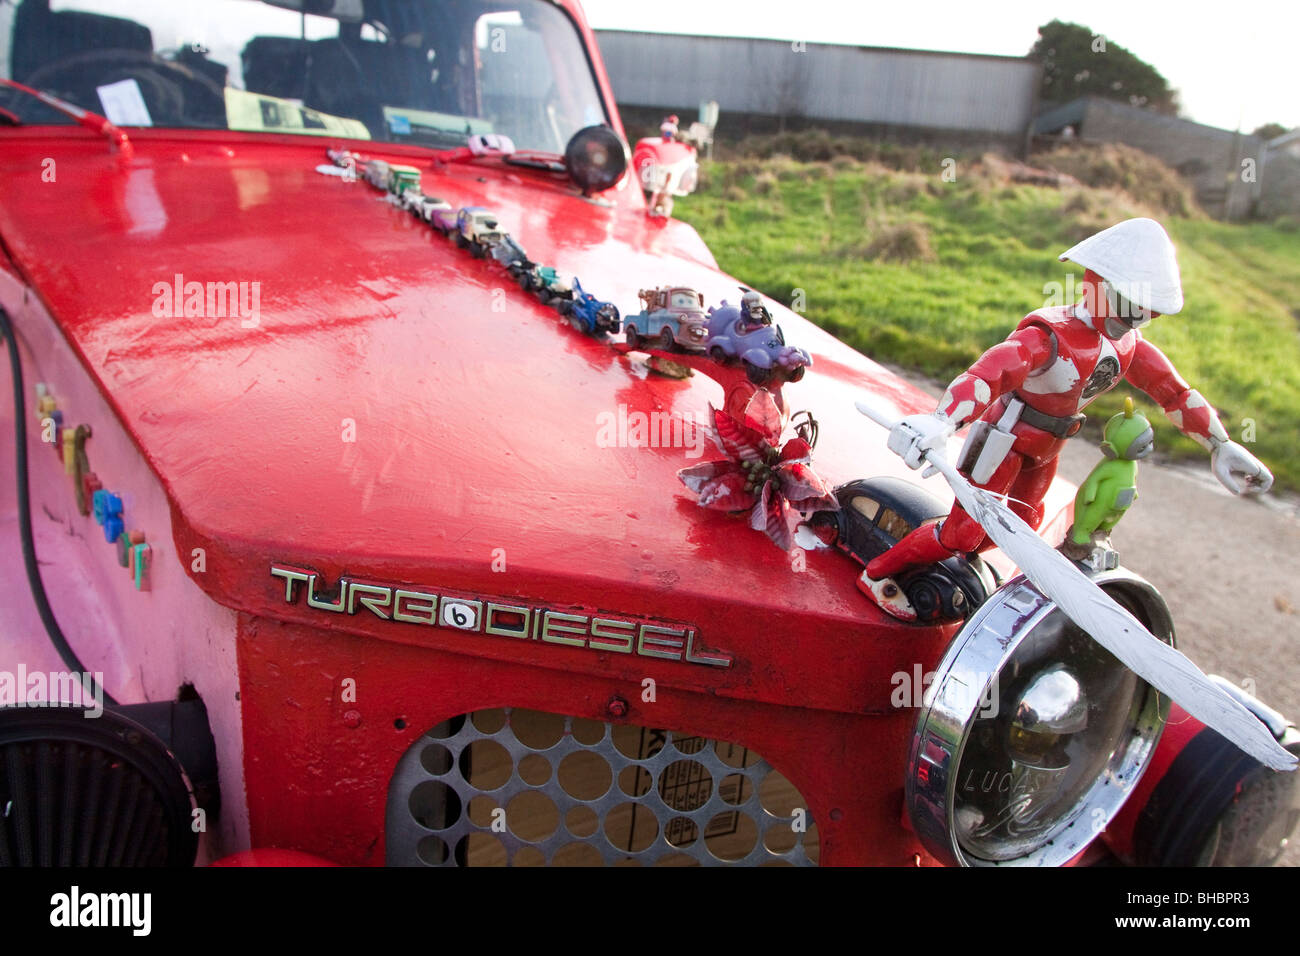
(557, 621)
(602, 640)
(644, 638)
(499, 619)
(430, 605)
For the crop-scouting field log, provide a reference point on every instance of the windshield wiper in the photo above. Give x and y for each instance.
(92, 121)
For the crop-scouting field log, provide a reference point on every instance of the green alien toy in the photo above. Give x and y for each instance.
(1110, 489)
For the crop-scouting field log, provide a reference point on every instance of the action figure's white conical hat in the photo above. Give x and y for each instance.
(1137, 258)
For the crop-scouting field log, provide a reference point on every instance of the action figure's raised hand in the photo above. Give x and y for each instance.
(1240, 471)
(914, 435)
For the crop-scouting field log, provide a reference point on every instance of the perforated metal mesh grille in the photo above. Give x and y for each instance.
(526, 788)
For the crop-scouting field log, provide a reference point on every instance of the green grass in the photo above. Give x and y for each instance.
(994, 247)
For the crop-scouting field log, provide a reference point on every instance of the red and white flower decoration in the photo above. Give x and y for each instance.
(773, 483)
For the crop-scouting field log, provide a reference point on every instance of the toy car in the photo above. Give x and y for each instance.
(376, 173)
(510, 254)
(761, 350)
(426, 206)
(387, 574)
(588, 314)
(403, 178)
(478, 230)
(874, 515)
(444, 219)
(547, 283)
(671, 317)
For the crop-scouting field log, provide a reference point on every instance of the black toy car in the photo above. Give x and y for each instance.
(875, 513)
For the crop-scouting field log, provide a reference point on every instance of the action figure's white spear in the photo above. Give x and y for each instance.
(1114, 628)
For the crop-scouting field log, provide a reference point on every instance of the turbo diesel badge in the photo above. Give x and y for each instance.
(480, 614)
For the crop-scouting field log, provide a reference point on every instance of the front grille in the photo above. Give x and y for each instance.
(527, 788)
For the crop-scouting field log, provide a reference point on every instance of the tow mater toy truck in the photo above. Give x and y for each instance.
(369, 656)
(670, 317)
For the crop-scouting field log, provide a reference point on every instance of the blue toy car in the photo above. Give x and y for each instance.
(588, 314)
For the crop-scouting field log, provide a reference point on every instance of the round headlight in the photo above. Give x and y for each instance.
(1032, 733)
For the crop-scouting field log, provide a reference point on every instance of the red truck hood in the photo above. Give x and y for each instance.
(475, 414)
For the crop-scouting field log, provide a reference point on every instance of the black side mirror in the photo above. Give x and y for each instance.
(596, 159)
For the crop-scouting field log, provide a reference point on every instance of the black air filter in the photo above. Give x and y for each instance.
(89, 791)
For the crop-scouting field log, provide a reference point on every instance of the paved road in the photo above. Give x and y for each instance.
(1227, 567)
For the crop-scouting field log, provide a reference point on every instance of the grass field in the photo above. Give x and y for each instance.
(911, 269)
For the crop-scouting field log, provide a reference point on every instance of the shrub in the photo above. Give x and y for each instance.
(1142, 176)
(902, 242)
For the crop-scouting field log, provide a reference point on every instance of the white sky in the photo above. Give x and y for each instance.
(1233, 64)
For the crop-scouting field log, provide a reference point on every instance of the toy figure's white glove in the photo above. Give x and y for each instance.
(912, 437)
(1240, 471)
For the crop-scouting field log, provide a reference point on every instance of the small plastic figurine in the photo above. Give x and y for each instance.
(588, 314)
(753, 312)
(511, 254)
(549, 285)
(672, 317)
(874, 513)
(759, 346)
(478, 230)
(1110, 488)
(401, 178)
(1026, 394)
(377, 173)
(667, 167)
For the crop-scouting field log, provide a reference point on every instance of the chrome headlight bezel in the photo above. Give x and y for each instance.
(976, 656)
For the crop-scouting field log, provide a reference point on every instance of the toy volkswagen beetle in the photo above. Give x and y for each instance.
(463, 556)
(874, 515)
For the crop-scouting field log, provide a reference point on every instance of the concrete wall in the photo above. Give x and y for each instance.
(883, 87)
(1280, 178)
(1211, 158)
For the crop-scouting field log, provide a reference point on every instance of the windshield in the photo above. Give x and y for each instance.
(409, 71)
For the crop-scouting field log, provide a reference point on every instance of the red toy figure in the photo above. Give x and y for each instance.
(1026, 394)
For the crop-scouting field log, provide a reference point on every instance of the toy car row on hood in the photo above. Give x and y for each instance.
(672, 318)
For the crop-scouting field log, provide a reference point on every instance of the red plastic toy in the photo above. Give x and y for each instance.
(1027, 395)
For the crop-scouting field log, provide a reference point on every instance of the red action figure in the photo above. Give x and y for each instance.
(1027, 393)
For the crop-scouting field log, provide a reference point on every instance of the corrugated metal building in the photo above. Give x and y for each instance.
(907, 89)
